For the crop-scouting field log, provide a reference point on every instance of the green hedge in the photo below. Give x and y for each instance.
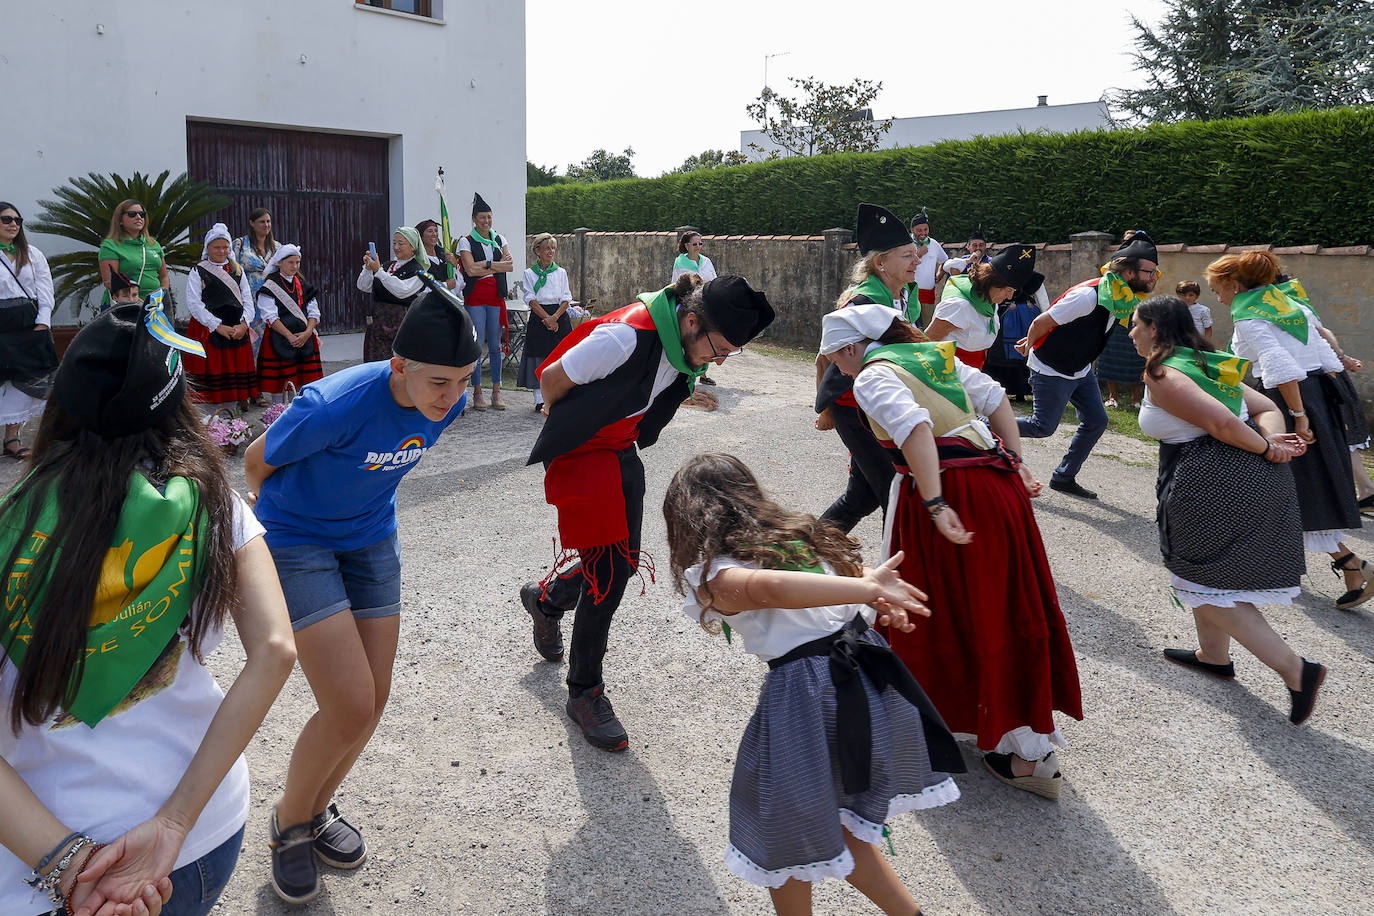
(1283, 179)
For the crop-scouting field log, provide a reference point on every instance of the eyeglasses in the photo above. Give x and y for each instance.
(1147, 273)
(716, 354)
(135, 214)
(12, 220)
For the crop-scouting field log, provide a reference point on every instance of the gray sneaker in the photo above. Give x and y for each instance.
(295, 876)
(548, 635)
(337, 842)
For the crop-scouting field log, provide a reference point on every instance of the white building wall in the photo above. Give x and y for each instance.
(108, 86)
(934, 128)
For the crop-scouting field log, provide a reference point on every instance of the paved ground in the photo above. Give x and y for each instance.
(477, 795)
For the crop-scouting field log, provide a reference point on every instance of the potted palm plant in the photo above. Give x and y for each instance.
(82, 211)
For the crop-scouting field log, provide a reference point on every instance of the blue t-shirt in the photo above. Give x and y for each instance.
(341, 450)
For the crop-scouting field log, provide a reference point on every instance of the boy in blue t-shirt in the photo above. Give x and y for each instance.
(325, 474)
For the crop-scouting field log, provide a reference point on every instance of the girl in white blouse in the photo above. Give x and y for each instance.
(23, 275)
(549, 297)
(690, 260)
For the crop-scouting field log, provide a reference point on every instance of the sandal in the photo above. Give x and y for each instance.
(1045, 780)
(18, 454)
(1355, 596)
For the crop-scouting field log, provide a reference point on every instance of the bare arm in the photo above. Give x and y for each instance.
(735, 589)
(825, 419)
(924, 460)
(255, 467)
(554, 383)
(940, 329)
(506, 264)
(1042, 325)
(1180, 396)
(105, 268)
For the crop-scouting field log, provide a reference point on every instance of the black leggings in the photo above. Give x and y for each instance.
(870, 471)
(611, 570)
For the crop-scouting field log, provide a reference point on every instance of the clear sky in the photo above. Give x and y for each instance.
(672, 79)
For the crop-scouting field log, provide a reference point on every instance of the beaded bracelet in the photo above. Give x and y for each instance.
(67, 901)
(49, 883)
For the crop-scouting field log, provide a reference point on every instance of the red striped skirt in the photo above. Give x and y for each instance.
(274, 372)
(224, 375)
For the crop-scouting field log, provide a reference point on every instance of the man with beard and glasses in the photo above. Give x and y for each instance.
(612, 384)
(1062, 343)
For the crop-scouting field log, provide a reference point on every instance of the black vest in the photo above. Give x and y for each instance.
(1070, 347)
(470, 282)
(438, 268)
(293, 324)
(586, 409)
(382, 294)
(218, 300)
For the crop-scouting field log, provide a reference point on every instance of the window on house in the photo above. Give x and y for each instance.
(414, 7)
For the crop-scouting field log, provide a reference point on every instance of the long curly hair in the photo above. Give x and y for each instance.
(715, 507)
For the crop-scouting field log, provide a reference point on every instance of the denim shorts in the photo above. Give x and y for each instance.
(197, 885)
(319, 581)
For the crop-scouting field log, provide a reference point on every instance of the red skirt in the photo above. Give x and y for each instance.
(974, 359)
(994, 654)
(224, 375)
(274, 372)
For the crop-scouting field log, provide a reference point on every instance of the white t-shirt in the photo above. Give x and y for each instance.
(1158, 423)
(706, 270)
(771, 632)
(605, 350)
(1074, 305)
(486, 253)
(930, 262)
(108, 779)
(1202, 317)
(1277, 356)
(971, 329)
(890, 403)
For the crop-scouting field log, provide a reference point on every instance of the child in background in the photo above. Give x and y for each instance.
(795, 591)
(1189, 291)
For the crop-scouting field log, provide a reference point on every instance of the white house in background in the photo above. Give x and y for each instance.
(934, 128)
(334, 114)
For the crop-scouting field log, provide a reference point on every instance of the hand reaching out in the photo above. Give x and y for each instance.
(896, 600)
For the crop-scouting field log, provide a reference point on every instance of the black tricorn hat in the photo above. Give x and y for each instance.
(738, 311)
(879, 229)
(1139, 245)
(1015, 265)
(479, 205)
(116, 378)
(921, 219)
(978, 234)
(437, 330)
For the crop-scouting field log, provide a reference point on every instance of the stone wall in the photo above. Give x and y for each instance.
(804, 274)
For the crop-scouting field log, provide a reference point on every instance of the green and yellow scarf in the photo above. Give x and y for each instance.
(1217, 373)
(961, 287)
(1116, 294)
(663, 311)
(148, 581)
(1274, 305)
(931, 362)
(543, 274)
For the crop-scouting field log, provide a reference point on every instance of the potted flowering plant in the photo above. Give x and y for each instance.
(229, 431)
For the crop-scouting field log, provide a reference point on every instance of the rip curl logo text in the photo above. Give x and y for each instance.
(410, 450)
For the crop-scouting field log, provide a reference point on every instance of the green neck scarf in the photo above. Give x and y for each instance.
(8, 248)
(1217, 373)
(961, 287)
(793, 556)
(491, 243)
(1116, 294)
(874, 288)
(684, 262)
(931, 362)
(1272, 304)
(663, 311)
(150, 577)
(543, 274)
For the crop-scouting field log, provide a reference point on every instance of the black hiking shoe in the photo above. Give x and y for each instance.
(337, 842)
(295, 876)
(593, 714)
(548, 636)
(1072, 487)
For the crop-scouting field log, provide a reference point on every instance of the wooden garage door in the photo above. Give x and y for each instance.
(328, 193)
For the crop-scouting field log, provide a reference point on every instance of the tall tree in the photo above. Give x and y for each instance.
(822, 118)
(1223, 58)
(538, 176)
(711, 159)
(604, 166)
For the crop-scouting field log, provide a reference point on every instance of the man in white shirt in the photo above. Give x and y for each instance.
(933, 257)
(1060, 347)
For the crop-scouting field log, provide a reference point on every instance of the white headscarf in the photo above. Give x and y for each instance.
(217, 231)
(855, 324)
(283, 251)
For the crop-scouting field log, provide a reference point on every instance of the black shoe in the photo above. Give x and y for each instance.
(1367, 504)
(1313, 676)
(295, 876)
(1188, 659)
(548, 636)
(593, 714)
(1072, 488)
(706, 380)
(337, 842)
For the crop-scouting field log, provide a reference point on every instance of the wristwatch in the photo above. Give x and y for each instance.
(1296, 413)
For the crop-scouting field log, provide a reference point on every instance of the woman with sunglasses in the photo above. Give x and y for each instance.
(26, 350)
(129, 249)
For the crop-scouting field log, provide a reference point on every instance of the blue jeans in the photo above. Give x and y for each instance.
(197, 885)
(1051, 393)
(487, 320)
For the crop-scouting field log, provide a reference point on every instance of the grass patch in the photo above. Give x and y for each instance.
(795, 354)
(1119, 420)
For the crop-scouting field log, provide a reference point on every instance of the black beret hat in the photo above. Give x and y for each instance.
(116, 378)
(438, 331)
(879, 229)
(1015, 264)
(738, 311)
(1139, 246)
